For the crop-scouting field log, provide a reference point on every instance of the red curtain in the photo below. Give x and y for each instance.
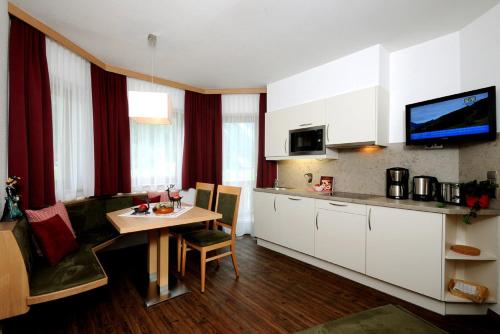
(31, 155)
(111, 132)
(266, 170)
(202, 159)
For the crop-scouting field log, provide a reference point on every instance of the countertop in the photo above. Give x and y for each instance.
(376, 200)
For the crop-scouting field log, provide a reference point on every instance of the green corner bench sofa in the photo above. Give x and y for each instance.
(27, 279)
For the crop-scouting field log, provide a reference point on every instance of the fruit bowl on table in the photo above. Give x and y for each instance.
(163, 208)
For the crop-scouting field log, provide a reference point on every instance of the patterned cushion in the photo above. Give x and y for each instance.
(163, 195)
(51, 211)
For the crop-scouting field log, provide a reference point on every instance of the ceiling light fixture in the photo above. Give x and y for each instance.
(150, 107)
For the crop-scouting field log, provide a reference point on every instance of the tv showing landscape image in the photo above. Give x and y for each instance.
(456, 117)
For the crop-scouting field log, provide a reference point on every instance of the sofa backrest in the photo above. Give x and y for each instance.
(22, 233)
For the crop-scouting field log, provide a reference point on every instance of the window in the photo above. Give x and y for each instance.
(156, 148)
(72, 122)
(240, 122)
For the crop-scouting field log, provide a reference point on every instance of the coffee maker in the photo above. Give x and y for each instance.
(397, 183)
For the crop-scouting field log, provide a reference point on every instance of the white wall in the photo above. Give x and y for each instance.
(4, 33)
(359, 70)
(480, 54)
(422, 72)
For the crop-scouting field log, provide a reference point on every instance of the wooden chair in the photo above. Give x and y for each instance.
(228, 202)
(203, 199)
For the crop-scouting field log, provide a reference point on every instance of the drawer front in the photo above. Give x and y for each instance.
(357, 209)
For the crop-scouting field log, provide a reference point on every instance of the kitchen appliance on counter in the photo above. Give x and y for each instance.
(397, 183)
(450, 192)
(425, 188)
(308, 141)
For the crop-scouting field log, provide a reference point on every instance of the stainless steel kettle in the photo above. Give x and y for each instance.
(424, 188)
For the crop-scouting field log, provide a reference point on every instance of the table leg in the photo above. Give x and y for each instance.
(163, 261)
(162, 287)
(152, 254)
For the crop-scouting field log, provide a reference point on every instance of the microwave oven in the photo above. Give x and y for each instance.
(307, 141)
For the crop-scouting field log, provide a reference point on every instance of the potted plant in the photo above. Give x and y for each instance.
(477, 197)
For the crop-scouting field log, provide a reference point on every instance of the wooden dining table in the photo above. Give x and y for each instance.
(159, 289)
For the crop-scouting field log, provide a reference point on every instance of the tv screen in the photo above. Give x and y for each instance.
(455, 118)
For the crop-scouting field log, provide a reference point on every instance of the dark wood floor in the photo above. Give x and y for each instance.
(275, 294)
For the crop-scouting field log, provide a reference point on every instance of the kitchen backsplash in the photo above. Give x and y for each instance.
(363, 170)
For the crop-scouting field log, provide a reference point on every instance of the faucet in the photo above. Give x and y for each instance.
(276, 184)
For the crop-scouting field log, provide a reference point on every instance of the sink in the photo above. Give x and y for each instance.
(279, 188)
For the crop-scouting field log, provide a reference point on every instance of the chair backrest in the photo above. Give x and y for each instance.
(228, 203)
(204, 195)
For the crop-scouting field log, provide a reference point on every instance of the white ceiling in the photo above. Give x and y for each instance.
(246, 43)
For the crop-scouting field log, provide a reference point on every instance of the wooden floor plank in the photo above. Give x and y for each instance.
(274, 294)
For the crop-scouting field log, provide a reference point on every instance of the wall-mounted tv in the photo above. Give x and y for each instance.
(455, 118)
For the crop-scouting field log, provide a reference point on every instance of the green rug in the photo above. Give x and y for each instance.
(384, 319)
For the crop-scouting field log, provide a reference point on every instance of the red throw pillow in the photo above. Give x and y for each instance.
(51, 211)
(139, 200)
(55, 238)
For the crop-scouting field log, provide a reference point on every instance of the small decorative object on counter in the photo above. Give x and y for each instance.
(468, 290)
(174, 196)
(327, 182)
(466, 250)
(11, 210)
(308, 177)
(142, 209)
(477, 197)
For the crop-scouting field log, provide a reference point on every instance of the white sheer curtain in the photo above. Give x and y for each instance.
(240, 121)
(72, 122)
(156, 149)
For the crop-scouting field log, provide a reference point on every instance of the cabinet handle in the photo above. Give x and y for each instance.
(286, 140)
(317, 213)
(328, 133)
(274, 203)
(305, 124)
(294, 199)
(370, 219)
(335, 204)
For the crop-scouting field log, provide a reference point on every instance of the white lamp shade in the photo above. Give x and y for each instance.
(149, 107)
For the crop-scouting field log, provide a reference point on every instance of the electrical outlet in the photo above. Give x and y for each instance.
(492, 177)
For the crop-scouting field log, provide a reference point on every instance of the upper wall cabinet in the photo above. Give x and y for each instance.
(276, 134)
(307, 115)
(358, 118)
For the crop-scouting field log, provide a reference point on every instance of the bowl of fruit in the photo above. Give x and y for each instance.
(163, 208)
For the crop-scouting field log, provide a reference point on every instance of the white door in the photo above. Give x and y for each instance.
(296, 220)
(340, 238)
(266, 217)
(351, 117)
(403, 247)
(276, 134)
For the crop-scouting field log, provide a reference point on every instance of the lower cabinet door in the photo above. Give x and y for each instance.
(266, 224)
(404, 247)
(340, 238)
(296, 219)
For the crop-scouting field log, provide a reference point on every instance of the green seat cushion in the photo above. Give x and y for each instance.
(75, 269)
(97, 236)
(202, 198)
(206, 238)
(181, 229)
(23, 237)
(86, 215)
(119, 202)
(227, 206)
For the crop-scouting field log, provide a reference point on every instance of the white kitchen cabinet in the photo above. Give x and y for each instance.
(340, 235)
(276, 134)
(296, 222)
(357, 118)
(404, 247)
(285, 220)
(266, 224)
(307, 115)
